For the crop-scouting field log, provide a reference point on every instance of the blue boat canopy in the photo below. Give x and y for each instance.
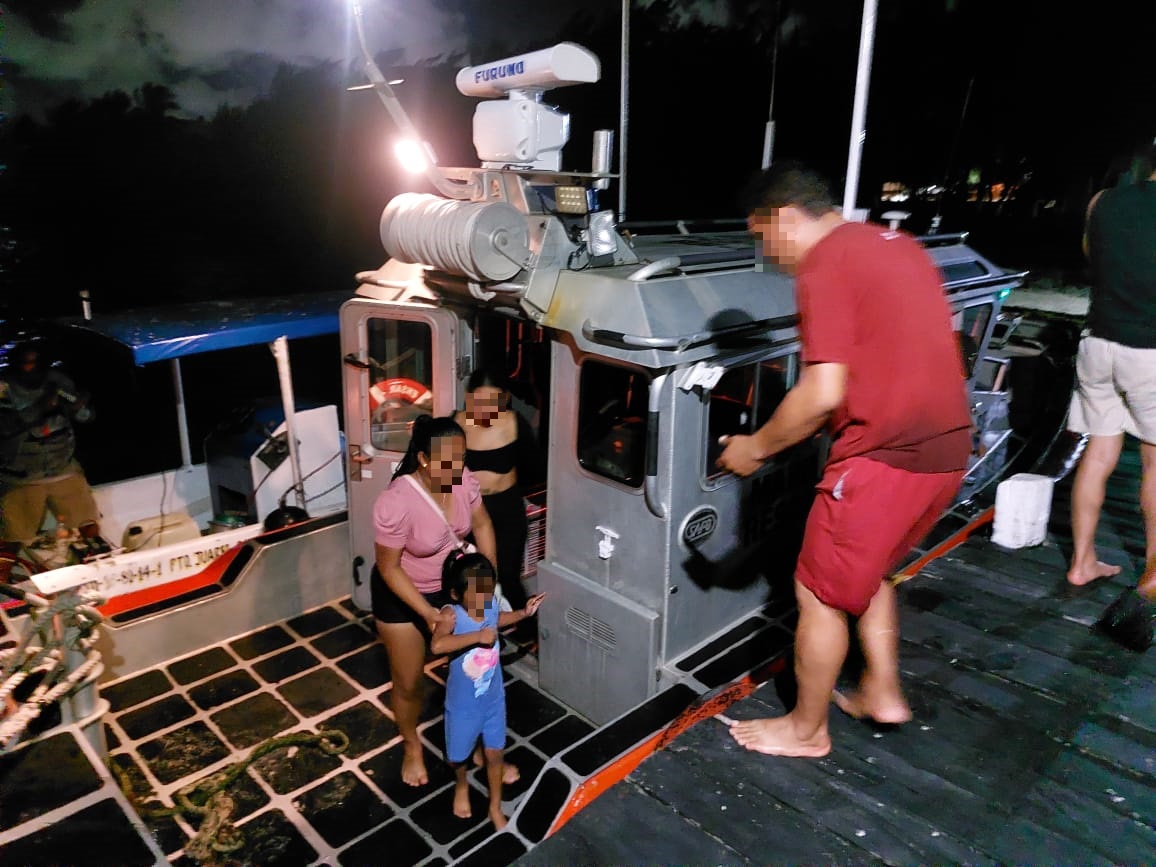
(163, 333)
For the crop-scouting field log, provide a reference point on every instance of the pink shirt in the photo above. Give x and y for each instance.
(403, 518)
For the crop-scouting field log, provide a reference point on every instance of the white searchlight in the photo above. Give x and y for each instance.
(521, 131)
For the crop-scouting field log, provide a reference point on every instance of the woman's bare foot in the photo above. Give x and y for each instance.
(498, 818)
(889, 710)
(462, 800)
(777, 737)
(1085, 573)
(413, 772)
(510, 773)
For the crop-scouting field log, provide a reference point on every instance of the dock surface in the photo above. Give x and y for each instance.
(1034, 739)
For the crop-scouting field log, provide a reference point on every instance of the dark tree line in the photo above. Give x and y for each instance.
(121, 196)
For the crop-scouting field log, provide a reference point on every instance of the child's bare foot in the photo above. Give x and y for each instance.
(890, 710)
(462, 800)
(1085, 573)
(777, 737)
(413, 772)
(498, 818)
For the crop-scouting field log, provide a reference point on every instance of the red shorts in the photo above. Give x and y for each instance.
(866, 516)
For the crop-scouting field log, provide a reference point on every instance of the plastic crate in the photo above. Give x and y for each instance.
(535, 539)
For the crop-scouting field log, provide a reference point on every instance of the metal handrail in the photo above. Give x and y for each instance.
(681, 343)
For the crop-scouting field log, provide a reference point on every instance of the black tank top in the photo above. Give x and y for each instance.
(500, 460)
(1122, 248)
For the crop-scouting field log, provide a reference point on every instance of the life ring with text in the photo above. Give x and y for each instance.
(399, 390)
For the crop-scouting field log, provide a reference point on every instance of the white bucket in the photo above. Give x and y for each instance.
(1023, 505)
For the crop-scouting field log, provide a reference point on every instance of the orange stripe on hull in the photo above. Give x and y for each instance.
(211, 574)
(617, 770)
(953, 541)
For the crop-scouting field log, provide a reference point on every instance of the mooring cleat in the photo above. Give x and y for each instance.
(1128, 621)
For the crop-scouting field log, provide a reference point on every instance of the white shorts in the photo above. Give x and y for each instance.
(1115, 390)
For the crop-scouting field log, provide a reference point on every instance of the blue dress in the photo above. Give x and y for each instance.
(475, 695)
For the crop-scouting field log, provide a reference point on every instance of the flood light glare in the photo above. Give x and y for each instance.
(415, 156)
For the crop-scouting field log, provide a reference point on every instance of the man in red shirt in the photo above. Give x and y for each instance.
(882, 371)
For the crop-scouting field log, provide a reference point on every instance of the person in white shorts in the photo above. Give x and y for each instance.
(1116, 388)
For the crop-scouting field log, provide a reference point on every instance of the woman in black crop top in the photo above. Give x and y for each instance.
(498, 441)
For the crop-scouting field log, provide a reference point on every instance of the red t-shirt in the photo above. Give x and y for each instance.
(872, 299)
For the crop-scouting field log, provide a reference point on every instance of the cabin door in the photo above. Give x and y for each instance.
(399, 361)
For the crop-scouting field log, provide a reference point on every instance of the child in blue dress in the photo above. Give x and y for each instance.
(467, 631)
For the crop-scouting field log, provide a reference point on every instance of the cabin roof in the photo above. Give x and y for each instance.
(174, 331)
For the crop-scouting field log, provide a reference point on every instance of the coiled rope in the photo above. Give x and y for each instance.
(42, 651)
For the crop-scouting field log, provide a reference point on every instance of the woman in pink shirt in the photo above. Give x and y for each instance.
(432, 503)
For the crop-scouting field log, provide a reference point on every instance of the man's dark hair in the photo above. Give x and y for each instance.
(790, 183)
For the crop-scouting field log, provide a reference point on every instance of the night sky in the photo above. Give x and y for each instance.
(251, 151)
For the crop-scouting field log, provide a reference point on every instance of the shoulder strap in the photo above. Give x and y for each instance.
(425, 495)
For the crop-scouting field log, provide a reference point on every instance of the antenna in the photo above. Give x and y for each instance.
(623, 105)
(859, 114)
(769, 134)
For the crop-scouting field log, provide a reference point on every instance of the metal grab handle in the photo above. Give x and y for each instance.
(659, 266)
(650, 492)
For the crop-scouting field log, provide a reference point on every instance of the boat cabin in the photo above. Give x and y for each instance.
(631, 354)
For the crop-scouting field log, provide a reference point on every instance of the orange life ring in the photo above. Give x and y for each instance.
(399, 389)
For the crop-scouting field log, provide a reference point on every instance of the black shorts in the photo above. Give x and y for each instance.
(389, 608)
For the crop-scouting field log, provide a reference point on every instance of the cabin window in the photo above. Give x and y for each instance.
(400, 354)
(970, 327)
(744, 400)
(612, 422)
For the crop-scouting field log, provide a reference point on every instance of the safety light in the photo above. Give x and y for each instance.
(571, 200)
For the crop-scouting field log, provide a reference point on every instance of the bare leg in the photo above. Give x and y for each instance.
(820, 648)
(879, 695)
(495, 769)
(1147, 583)
(406, 649)
(1096, 466)
(462, 794)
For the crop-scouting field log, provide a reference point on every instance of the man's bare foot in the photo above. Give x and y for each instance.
(777, 737)
(859, 704)
(462, 801)
(1085, 573)
(413, 771)
(510, 773)
(498, 818)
